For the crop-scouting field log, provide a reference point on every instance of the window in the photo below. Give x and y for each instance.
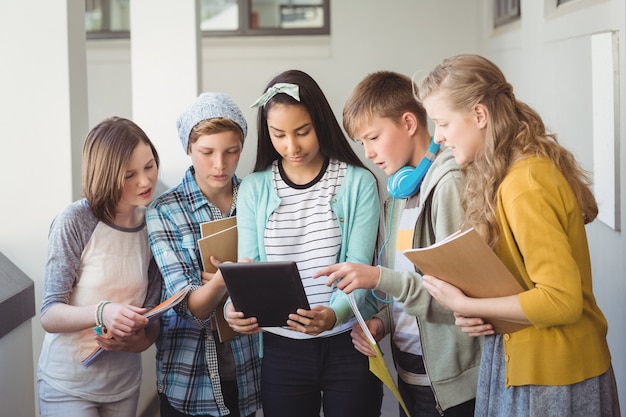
(107, 18)
(111, 18)
(265, 17)
(505, 11)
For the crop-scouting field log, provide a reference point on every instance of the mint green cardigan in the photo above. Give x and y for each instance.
(357, 207)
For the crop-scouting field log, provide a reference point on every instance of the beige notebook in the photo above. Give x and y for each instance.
(221, 244)
(208, 228)
(219, 238)
(467, 262)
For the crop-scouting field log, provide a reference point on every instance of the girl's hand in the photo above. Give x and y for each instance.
(136, 342)
(453, 299)
(473, 326)
(446, 294)
(238, 323)
(312, 322)
(123, 320)
(350, 276)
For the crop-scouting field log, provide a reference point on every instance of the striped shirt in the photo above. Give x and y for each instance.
(305, 229)
(356, 207)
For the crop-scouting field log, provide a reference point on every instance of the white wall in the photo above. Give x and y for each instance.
(40, 113)
(16, 373)
(361, 42)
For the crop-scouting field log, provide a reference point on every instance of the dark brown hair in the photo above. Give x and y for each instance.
(332, 141)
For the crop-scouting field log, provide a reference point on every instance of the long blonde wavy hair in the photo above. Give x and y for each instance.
(513, 130)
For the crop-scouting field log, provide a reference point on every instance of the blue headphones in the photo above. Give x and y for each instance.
(407, 180)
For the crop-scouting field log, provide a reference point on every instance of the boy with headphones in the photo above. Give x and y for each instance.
(437, 363)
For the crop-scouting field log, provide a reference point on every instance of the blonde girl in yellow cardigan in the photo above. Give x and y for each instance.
(530, 199)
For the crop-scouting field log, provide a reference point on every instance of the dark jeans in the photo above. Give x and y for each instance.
(229, 390)
(298, 377)
(421, 402)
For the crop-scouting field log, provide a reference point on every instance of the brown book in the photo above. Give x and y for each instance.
(219, 239)
(222, 245)
(466, 261)
(209, 228)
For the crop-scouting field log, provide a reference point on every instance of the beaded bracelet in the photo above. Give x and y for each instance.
(96, 313)
(100, 328)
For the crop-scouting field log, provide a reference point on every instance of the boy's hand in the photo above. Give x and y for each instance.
(350, 276)
(361, 342)
(238, 323)
(208, 276)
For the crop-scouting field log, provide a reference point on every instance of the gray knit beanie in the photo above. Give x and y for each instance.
(209, 106)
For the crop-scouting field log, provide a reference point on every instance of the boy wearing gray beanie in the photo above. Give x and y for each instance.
(206, 107)
(197, 374)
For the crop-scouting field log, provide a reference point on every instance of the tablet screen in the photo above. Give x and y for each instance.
(269, 291)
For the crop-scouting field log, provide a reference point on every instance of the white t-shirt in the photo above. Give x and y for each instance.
(406, 339)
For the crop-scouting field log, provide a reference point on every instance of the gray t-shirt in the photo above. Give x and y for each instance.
(90, 261)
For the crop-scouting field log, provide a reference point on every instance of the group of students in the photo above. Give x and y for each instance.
(310, 199)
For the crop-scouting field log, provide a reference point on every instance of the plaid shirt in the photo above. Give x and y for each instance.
(187, 359)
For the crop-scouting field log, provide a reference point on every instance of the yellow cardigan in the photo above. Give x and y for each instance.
(544, 244)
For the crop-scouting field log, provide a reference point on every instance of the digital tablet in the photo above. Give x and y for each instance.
(269, 291)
